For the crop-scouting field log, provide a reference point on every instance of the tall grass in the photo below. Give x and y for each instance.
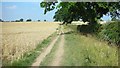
(87, 51)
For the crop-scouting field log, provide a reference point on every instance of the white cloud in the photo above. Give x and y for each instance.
(11, 7)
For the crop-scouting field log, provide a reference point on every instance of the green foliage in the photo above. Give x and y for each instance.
(89, 28)
(21, 20)
(84, 28)
(87, 51)
(17, 20)
(114, 19)
(28, 20)
(48, 6)
(87, 11)
(111, 32)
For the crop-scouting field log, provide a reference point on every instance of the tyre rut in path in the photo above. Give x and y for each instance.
(40, 58)
(60, 51)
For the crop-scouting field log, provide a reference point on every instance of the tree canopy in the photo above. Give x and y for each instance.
(86, 11)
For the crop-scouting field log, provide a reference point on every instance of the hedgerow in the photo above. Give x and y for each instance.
(110, 32)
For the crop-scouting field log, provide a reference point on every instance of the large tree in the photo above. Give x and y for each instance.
(87, 11)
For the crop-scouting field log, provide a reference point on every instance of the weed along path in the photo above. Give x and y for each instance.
(40, 58)
(59, 53)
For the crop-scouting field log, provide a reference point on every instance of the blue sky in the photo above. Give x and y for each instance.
(17, 10)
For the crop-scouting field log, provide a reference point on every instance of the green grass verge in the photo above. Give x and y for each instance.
(49, 58)
(87, 51)
(29, 57)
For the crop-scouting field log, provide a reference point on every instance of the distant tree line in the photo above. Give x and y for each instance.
(21, 20)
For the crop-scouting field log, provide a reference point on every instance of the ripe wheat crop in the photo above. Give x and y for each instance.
(19, 38)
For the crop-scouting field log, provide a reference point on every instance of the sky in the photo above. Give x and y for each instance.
(12, 11)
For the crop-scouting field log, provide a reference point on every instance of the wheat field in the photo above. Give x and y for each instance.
(0, 45)
(19, 38)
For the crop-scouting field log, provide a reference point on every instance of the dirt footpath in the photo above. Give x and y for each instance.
(59, 53)
(40, 58)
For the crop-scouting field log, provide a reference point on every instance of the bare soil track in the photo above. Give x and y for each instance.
(58, 54)
(40, 58)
